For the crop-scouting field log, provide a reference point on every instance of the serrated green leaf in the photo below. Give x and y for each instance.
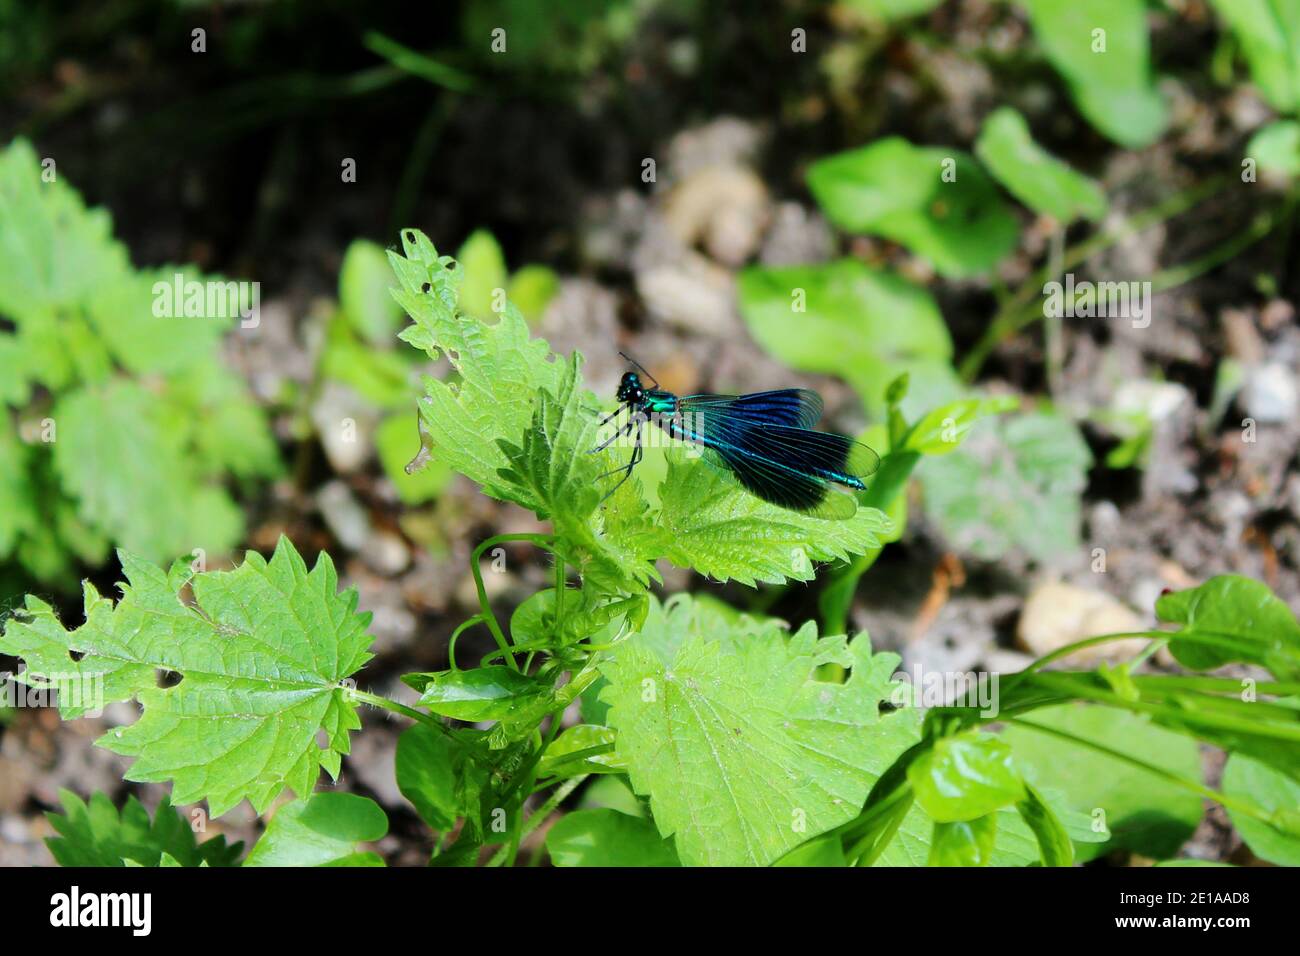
(95, 834)
(1015, 483)
(743, 754)
(1231, 618)
(1031, 174)
(260, 660)
(1101, 49)
(322, 830)
(936, 201)
(848, 319)
(607, 838)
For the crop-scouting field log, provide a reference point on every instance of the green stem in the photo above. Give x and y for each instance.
(391, 705)
(451, 643)
(506, 854)
(542, 541)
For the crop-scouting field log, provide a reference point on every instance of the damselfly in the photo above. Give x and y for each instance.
(765, 439)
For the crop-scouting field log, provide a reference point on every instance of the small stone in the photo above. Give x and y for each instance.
(1270, 395)
(1057, 614)
(348, 521)
(386, 553)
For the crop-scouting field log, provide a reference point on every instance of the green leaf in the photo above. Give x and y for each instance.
(1231, 618)
(1143, 812)
(1053, 841)
(1031, 174)
(964, 777)
(95, 834)
(710, 523)
(607, 838)
(18, 514)
(322, 830)
(397, 441)
(1100, 47)
(560, 760)
(1267, 788)
(1276, 147)
(485, 273)
(964, 842)
(365, 297)
(848, 319)
(943, 429)
(439, 773)
(828, 851)
(743, 754)
(260, 659)
(893, 9)
(494, 692)
(936, 201)
(532, 288)
(1269, 31)
(1015, 484)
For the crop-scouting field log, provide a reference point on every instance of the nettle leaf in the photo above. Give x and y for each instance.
(1269, 31)
(1031, 174)
(1101, 49)
(607, 838)
(500, 371)
(125, 463)
(95, 834)
(1143, 812)
(707, 521)
(260, 657)
(936, 201)
(1231, 618)
(848, 319)
(322, 830)
(1016, 483)
(743, 753)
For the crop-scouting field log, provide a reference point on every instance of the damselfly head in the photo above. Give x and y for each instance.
(630, 390)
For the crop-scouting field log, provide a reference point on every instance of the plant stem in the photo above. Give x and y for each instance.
(391, 705)
(542, 541)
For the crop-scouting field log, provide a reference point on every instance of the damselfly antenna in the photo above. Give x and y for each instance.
(653, 380)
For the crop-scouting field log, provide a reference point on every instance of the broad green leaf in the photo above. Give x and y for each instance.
(1269, 31)
(1101, 49)
(494, 692)
(1015, 483)
(1031, 174)
(936, 201)
(561, 758)
(743, 754)
(397, 440)
(607, 838)
(964, 842)
(964, 777)
(384, 379)
(365, 281)
(322, 830)
(1143, 812)
(485, 274)
(95, 834)
(942, 430)
(826, 852)
(1267, 788)
(1276, 147)
(1231, 618)
(439, 773)
(260, 658)
(124, 462)
(848, 319)
(710, 523)
(18, 514)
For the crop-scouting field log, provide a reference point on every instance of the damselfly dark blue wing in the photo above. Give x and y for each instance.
(762, 441)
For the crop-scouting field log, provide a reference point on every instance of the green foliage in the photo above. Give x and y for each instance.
(1269, 31)
(848, 319)
(322, 830)
(1231, 618)
(1276, 147)
(397, 440)
(488, 283)
(1258, 782)
(1035, 177)
(937, 202)
(95, 834)
(607, 838)
(1143, 812)
(260, 657)
(118, 423)
(1101, 49)
(1015, 484)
